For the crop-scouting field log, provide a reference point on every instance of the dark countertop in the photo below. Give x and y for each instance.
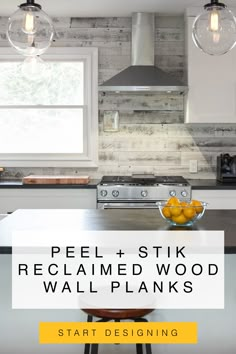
(195, 184)
(210, 184)
(122, 219)
(16, 183)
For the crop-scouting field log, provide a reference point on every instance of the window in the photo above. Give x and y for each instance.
(49, 111)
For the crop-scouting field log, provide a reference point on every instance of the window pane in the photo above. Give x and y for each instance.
(41, 131)
(48, 83)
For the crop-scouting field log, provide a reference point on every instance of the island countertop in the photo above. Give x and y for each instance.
(131, 219)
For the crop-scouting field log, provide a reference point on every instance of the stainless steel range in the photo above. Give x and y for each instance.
(140, 191)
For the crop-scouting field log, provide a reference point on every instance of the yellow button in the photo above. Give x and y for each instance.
(121, 332)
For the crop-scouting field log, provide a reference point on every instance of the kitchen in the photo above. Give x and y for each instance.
(138, 133)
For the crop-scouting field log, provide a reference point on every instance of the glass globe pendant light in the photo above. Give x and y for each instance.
(214, 30)
(30, 30)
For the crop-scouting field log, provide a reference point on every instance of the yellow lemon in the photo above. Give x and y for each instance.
(197, 206)
(189, 212)
(184, 204)
(166, 212)
(173, 201)
(175, 210)
(181, 219)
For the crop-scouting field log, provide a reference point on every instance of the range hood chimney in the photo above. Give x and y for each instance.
(142, 75)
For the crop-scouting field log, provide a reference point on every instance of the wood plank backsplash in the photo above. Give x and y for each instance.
(152, 137)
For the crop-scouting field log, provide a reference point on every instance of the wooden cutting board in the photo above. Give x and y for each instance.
(36, 179)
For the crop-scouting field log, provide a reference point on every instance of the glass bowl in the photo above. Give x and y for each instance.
(182, 215)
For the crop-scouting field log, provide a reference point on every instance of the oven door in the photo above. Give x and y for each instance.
(127, 205)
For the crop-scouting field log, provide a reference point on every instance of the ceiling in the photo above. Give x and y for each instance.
(106, 8)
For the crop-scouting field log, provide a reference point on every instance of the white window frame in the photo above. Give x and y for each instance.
(90, 156)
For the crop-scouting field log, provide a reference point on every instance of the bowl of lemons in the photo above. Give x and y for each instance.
(181, 213)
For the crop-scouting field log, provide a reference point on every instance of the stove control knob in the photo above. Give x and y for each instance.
(144, 193)
(103, 193)
(172, 193)
(115, 193)
(184, 193)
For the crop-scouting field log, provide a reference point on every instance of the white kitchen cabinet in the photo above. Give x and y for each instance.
(12, 199)
(212, 84)
(216, 199)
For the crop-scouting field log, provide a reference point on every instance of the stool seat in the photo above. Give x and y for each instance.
(121, 314)
(106, 315)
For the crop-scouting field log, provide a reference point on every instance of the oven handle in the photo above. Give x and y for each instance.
(128, 206)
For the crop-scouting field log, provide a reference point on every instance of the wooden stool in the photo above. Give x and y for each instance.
(116, 315)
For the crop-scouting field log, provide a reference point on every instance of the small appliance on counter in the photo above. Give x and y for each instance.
(226, 168)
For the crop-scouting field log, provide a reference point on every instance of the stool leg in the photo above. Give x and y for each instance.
(87, 345)
(94, 349)
(148, 348)
(148, 345)
(117, 320)
(86, 348)
(139, 349)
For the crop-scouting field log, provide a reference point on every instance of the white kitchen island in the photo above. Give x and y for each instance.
(19, 328)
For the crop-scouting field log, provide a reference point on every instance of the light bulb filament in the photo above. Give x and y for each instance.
(214, 24)
(29, 23)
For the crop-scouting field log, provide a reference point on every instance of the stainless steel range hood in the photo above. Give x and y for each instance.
(142, 75)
